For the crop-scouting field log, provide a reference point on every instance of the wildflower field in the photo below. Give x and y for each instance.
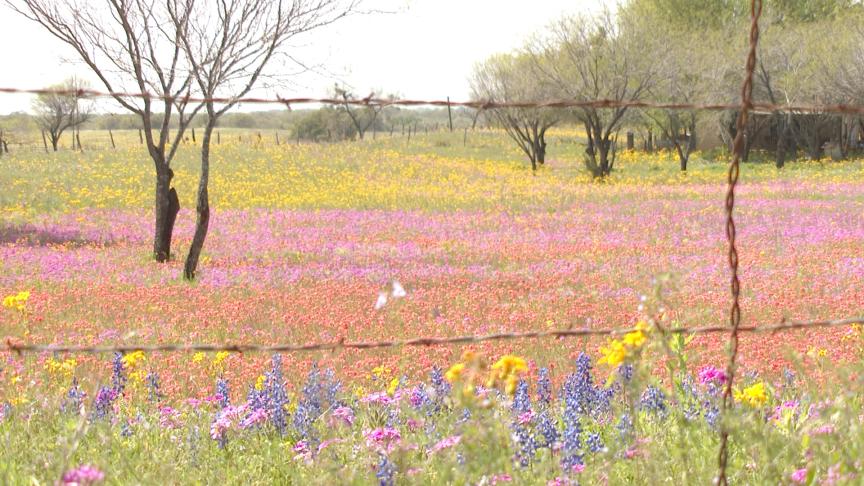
(390, 239)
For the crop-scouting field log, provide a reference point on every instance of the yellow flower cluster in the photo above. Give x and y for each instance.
(617, 351)
(131, 360)
(17, 301)
(259, 382)
(754, 395)
(507, 370)
(65, 367)
(504, 372)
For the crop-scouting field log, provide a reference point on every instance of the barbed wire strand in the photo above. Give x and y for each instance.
(735, 284)
(11, 346)
(844, 109)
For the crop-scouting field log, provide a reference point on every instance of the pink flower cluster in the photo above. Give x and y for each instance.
(710, 374)
(383, 439)
(84, 474)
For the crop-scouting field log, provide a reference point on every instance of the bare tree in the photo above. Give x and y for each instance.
(595, 58)
(132, 45)
(509, 78)
(363, 116)
(228, 44)
(62, 109)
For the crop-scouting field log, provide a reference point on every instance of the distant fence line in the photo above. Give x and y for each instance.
(20, 348)
(843, 109)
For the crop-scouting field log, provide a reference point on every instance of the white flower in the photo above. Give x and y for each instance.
(398, 290)
(382, 300)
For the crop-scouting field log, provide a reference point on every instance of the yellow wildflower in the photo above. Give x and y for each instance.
(221, 356)
(259, 383)
(137, 376)
(455, 372)
(198, 357)
(17, 301)
(754, 395)
(65, 367)
(617, 351)
(614, 354)
(132, 359)
(509, 365)
(380, 371)
(394, 384)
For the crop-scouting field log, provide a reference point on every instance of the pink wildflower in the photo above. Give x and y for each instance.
(384, 439)
(256, 417)
(710, 374)
(526, 417)
(219, 427)
(327, 443)
(824, 430)
(301, 447)
(799, 476)
(345, 414)
(500, 478)
(445, 443)
(169, 418)
(81, 475)
(413, 424)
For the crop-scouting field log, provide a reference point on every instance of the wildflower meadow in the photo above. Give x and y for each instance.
(437, 236)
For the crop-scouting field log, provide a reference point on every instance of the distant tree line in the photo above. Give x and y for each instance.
(685, 51)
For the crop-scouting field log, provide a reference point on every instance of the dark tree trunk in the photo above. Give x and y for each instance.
(202, 222)
(55, 139)
(167, 207)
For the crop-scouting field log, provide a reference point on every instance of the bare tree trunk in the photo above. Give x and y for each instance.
(202, 222)
(44, 141)
(167, 206)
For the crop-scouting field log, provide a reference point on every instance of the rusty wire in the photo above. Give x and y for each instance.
(842, 109)
(10, 346)
(735, 284)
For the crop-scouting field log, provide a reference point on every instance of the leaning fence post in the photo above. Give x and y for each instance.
(111, 135)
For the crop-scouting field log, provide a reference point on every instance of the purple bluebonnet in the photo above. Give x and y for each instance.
(544, 388)
(521, 399)
(103, 404)
(153, 393)
(578, 394)
(385, 472)
(653, 400)
(118, 377)
(547, 428)
(274, 395)
(594, 443)
(580, 391)
(74, 398)
(222, 392)
(625, 426)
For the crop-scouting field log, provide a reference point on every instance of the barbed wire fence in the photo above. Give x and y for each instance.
(744, 108)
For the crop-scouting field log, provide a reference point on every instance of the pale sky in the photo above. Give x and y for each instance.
(426, 49)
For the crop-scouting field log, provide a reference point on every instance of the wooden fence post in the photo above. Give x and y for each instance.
(110, 134)
(277, 138)
(449, 114)
(140, 137)
(630, 141)
(193, 135)
(78, 138)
